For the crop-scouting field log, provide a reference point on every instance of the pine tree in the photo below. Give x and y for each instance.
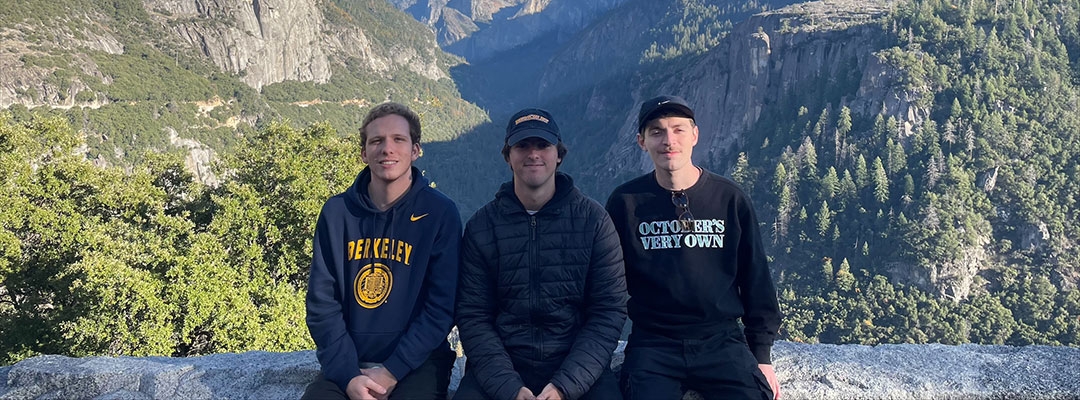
(824, 219)
(880, 131)
(897, 160)
(741, 173)
(949, 135)
(934, 169)
(783, 212)
(822, 122)
(843, 127)
(862, 175)
(848, 190)
(844, 279)
(830, 184)
(780, 178)
(808, 155)
(881, 182)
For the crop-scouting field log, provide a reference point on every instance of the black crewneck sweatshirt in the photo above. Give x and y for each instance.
(693, 282)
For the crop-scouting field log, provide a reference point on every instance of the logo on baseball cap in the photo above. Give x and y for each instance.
(652, 107)
(532, 122)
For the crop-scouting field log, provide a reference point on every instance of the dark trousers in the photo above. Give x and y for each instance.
(605, 388)
(718, 367)
(426, 382)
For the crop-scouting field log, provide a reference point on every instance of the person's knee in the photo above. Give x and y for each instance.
(323, 389)
(643, 385)
(606, 387)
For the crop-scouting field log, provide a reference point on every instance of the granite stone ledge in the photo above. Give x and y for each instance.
(805, 371)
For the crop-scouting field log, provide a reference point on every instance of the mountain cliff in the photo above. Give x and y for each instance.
(307, 60)
(478, 29)
(762, 61)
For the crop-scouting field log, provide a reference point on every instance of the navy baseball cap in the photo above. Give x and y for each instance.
(652, 107)
(532, 122)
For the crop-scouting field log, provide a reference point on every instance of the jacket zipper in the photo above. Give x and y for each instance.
(534, 284)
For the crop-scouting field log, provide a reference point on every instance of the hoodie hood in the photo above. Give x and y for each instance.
(357, 195)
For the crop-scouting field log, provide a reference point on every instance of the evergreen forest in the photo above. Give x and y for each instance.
(959, 228)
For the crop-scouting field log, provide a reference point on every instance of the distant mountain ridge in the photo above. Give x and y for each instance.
(478, 29)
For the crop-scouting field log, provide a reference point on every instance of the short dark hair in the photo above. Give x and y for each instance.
(665, 114)
(391, 108)
(559, 147)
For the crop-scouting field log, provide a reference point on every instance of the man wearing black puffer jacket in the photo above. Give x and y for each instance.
(541, 293)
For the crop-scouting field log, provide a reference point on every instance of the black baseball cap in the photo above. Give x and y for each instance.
(652, 107)
(532, 122)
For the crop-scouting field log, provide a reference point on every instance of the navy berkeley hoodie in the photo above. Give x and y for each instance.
(382, 283)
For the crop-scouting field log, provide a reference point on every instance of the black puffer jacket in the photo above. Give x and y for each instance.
(542, 292)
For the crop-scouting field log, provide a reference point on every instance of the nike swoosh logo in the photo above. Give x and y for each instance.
(415, 217)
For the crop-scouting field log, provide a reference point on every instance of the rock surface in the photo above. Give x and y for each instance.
(261, 41)
(478, 29)
(805, 372)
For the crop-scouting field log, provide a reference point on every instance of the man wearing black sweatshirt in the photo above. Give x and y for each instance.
(695, 265)
(384, 273)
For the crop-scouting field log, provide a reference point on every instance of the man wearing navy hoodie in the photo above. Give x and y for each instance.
(383, 273)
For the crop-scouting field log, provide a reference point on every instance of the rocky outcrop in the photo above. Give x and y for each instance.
(485, 10)
(54, 61)
(805, 371)
(760, 62)
(270, 41)
(554, 20)
(453, 20)
(199, 159)
(454, 26)
(261, 41)
(34, 85)
(478, 29)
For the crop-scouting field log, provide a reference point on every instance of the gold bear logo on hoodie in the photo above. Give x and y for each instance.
(372, 285)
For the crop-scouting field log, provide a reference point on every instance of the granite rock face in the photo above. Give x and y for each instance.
(261, 41)
(479, 29)
(805, 372)
(270, 41)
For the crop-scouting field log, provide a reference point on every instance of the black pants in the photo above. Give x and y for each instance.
(718, 367)
(605, 388)
(426, 382)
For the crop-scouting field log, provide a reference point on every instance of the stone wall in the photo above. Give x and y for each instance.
(805, 372)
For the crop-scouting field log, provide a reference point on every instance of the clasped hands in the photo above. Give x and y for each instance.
(550, 392)
(372, 384)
